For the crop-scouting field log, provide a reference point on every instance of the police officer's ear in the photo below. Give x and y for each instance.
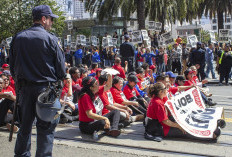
(43, 19)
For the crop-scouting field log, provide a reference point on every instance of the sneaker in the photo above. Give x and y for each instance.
(120, 126)
(217, 133)
(139, 117)
(220, 84)
(221, 123)
(15, 129)
(210, 103)
(153, 138)
(126, 123)
(113, 133)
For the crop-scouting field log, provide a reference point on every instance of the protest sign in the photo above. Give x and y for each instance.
(114, 41)
(144, 34)
(224, 35)
(104, 42)
(88, 43)
(137, 37)
(94, 40)
(212, 36)
(158, 26)
(69, 39)
(151, 25)
(189, 111)
(73, 46)
(8, 41)
(109, 41)
(70, 25)
(167, 38)
(109, 71)
(83, 40)
(192, 40)
(65, 43)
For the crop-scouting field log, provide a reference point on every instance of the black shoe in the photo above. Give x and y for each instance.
(210, 103)
(120, 126)
(221, 123)
(217, 132)
(126, 123)
(113, 133)
(153, 138)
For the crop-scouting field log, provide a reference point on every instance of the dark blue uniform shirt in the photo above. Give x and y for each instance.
(198, 57)
(36, 56)
(127, 50)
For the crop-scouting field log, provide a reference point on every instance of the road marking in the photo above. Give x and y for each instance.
(228, 120)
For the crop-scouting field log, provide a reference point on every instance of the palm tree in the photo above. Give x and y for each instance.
(109, 8)
(212, 8)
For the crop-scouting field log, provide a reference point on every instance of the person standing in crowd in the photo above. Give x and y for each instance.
(78, 56)
(198, 57)
(176, 58)
(148, 56)
(117, 66)
(209, 57)
(185, 58)
(224, 64)
(156, 39)
(36, 60)
(179, 40)
(127, 51)
(160, 60)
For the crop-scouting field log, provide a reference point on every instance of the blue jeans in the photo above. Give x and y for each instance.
(107, 63)
(210, 69)
(27, 113)
(161, 67)
(78, 61)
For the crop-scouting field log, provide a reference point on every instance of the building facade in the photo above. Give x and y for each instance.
(227, 24)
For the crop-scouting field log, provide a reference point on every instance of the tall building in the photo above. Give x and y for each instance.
(227, 24)
(66, 6)
(79, 10)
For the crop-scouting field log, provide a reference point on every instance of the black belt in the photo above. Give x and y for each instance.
(31, 83)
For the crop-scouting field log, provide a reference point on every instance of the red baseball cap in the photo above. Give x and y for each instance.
(152, 67)
(5, 66)
(98, 69)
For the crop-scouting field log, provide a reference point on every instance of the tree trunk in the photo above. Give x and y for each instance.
(220, 20)
(141, 14)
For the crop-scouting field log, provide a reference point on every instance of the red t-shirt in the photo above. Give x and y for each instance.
(93, 71)
(129, 93)
(80, 81)
(8, 89)
(118, 95)
(156, 110)
(84, 104)
(120, 70)
(104, 97)
(12, 83)
(77, 82)
(189, 83)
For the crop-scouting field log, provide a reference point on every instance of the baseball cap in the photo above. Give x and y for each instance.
(126, 36)
(43, 10)
(170, 74)
(133, 78)
(152, 67)
(5, 66)
(68, 76)
(98, 69)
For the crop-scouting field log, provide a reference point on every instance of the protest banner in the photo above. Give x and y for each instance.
(69, 39)
(94, 40)
(109, 41)
(73, 46)
(192, 40)
(158, 26)
(189, 111)
(83, 40)
(224, 35)
(88, 43)
(144, 34)
(114, 41)
(167, 38)
(104, 42)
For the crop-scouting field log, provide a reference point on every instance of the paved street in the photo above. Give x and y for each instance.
(70, 142)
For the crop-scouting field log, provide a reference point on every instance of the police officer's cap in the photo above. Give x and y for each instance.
(43, 10)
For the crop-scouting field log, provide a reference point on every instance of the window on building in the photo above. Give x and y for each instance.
(228, 20)
(214, 27)
(214, 20)
(227, 26)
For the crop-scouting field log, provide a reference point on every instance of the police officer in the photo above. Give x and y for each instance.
(127, 51)
(224, 64)
(36, 60)
(198, 57)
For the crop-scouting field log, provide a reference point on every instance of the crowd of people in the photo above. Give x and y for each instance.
(146, 80)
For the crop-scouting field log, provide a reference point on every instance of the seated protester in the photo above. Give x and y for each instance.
(189, 81)
(7, 102)
(98, 73)
(148, 73)
(133, 95)
(153, 71)
(120, 98)
(157, 123)
(83, 74)
(171, 90)
(195, 78)
(6, 86)
(5, 67)
(76, 88)
(109, 103)
(142, 82)
(119, 68)
(172, 78)
(90, 109)
(71, 110)
(180, 80)
(93, 70)
(7, 73)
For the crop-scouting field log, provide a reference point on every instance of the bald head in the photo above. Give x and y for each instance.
(117, 60)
